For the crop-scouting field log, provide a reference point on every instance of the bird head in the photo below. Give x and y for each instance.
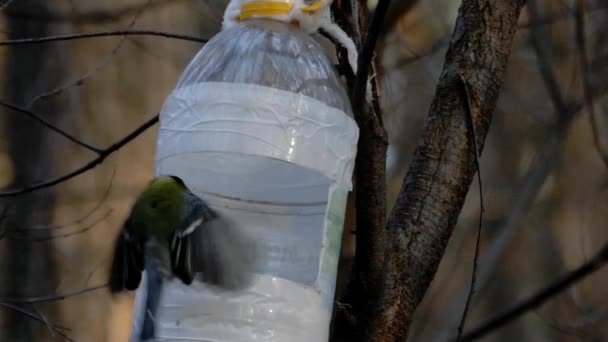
(160, 207)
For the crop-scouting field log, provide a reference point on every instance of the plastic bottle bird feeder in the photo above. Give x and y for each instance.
(260, 126)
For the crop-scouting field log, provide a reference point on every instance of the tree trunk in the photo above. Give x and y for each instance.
(442, 169)
(28, 267)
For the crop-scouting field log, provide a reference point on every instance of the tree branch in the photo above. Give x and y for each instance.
(61, 235)
(358, 95)
(443, 165)
(398, 10)
(88, 166)
(539, 42)
(47, 229)
(120, 33)
(526, 192)
(584, 60)
(555, 18)
(39, 318)
(370, 175)
(105, 61)
(597, 262)
(38, 118)
(100, 16)
(50, 298)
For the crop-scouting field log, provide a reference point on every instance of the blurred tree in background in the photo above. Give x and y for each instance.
(545, 184)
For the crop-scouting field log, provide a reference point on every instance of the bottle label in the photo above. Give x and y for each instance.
(332, 241)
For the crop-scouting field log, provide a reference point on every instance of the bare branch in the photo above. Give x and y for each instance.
(88, 166)
(358, 94)
(588, 268)
(539, 42)
(46, 322)
(584, 60)
(119, 33)
(370, 176)
(62, 235)
(555, 18)
(370, 173)
(415, 56)
(91, 17)
(526, 192)
(105, 61)
(577, 328)
(78, 221)
(533, 23)
(398, 11)
(5, 4)
(543, 165)
(50, 298)
(54, 328)
(38, 118)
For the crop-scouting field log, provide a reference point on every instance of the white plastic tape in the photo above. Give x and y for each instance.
(260, 121)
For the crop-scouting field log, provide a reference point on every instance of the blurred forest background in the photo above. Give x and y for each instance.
(545, 184)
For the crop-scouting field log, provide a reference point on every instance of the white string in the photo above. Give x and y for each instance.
(309, 22)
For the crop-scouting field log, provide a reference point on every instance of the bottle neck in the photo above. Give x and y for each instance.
(271, 24)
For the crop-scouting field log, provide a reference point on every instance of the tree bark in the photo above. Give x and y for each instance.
(443, 165)
(370, 185)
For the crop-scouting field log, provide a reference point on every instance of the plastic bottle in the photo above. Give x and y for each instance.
(260, 126)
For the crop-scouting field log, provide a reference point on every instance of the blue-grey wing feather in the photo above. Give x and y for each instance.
(221, 252)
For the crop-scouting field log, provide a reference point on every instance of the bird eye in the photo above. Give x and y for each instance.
(154, 204)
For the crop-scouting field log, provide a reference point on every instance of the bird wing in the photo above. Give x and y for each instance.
(128, 262)
(224, 256)
(213, 249)
(180, 255)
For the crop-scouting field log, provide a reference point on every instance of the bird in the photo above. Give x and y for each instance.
(171, 233)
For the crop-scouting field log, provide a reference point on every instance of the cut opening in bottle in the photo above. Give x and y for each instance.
(258, 193)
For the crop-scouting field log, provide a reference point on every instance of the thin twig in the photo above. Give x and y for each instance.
(153, 51)
(539, 44)
(29, 314)
(5, 4)
(76, 36)
(88, 166)
(469, 110)
(561, 328)
(99, 16)
(439, 44)
(578, 326)
(57, 329)
(38, 118)
(555, 18)
(354, 7)
(106, 60)
(596, 263)
(46, 228)
(584, 60)
(46, 322)
(63, 235)
(51, 298)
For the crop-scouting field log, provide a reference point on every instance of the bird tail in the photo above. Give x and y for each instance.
(127, 265)
(153, 292)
